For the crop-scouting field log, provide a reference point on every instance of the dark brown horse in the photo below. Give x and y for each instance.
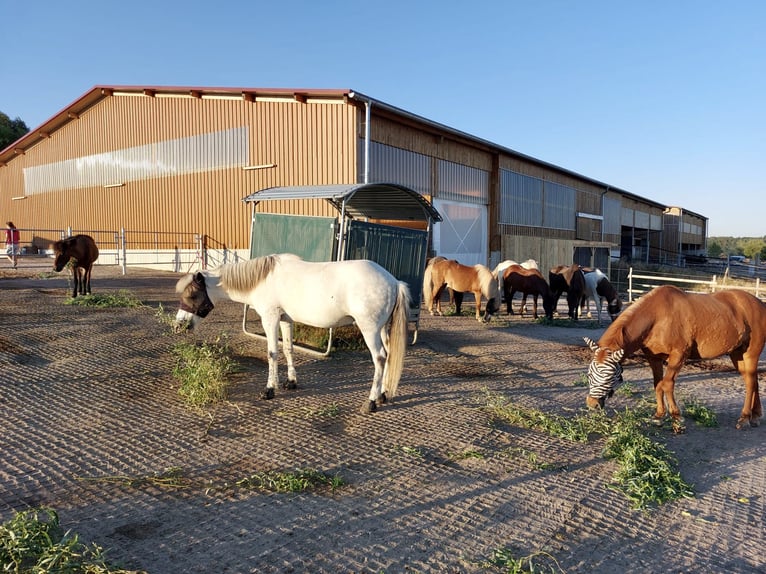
(82, 252)
(528, 282)
(444, 273)
(571, 279)
(670, 326)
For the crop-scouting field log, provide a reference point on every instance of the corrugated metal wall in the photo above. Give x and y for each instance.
(125, 141)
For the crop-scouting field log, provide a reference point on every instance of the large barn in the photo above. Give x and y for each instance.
(160, 173)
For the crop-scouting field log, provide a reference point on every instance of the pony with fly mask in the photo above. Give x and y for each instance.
(670, 326)
(283, 289)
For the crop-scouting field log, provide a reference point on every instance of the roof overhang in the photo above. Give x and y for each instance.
(361, 200)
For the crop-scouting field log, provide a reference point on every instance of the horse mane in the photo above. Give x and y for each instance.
(630, 327)
(246, 275)
(487, 280)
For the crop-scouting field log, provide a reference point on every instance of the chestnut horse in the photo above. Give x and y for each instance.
(670, 326)
(444, 273)
(528, 282)
(571, 279)
(82, 252)
(598, 288)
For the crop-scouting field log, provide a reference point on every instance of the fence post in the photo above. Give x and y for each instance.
(124, 251)
(630, 285)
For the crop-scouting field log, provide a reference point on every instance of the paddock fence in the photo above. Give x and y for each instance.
(163, 250)
(642, 282)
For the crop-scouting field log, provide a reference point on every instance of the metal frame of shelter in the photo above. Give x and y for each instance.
(402, 251)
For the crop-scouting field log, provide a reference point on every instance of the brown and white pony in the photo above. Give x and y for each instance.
(670, 326)
(444, 273)
(599, 289)
(528, 282)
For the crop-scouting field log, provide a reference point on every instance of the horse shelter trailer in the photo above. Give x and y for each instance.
(356, 232)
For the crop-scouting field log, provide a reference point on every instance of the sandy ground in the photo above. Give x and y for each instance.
(432, 483)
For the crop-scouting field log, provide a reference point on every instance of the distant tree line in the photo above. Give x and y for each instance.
(750, 247)
(11, 130)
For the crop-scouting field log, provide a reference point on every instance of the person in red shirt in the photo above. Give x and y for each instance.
(12, 243)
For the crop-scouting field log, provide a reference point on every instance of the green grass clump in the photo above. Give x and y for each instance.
(202, 370)
(647, 471)
(33, 542)
(298, 481)
(123, 298)
(576, 429)
(699, 413)
(506, 561)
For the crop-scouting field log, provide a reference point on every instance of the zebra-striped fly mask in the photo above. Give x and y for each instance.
(604, 372)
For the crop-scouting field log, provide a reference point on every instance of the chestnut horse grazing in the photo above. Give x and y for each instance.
(81, 250)
(444, 273)
(598, 288)
(528, 282)
(571, 279)
(670, 326)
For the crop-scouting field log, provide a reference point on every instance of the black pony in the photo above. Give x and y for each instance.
(569, 278)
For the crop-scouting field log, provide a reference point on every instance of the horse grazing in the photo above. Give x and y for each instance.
(503, 265)
(670, 326)
(598, 288)
(571, 279)
(444, 273)
(528, 282)
(82, 252)
(284, 289)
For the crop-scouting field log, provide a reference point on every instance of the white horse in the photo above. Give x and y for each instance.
(284, 289)
(598, 288)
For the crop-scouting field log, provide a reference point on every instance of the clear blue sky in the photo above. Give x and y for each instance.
(663, 98)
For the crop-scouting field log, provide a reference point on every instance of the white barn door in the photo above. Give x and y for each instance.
(462, 235)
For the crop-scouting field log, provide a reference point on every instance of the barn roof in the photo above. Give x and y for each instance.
(360, 200)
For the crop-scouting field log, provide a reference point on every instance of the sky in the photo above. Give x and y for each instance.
(665, 99)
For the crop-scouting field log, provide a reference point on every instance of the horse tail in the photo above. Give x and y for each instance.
(397, 341)
(428, 284)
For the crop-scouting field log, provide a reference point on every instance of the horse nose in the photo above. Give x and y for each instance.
(183, 326)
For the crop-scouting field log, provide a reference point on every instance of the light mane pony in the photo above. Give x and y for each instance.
(444, 273)
(283, 289)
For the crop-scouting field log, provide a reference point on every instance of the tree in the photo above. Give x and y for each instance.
(752, 247)
(11, 130)
(714, 249)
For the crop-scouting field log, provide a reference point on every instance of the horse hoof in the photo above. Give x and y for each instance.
(754, 422)
(267, 394)
(369, 407)
(381, 399)
(290, 385)
(744, 422)
(657, 421)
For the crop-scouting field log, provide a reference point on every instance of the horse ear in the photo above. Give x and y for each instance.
(591, 344)
(618, 355)
(199, 278)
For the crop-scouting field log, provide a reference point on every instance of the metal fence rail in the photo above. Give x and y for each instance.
(643, 282)
(166, 250)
